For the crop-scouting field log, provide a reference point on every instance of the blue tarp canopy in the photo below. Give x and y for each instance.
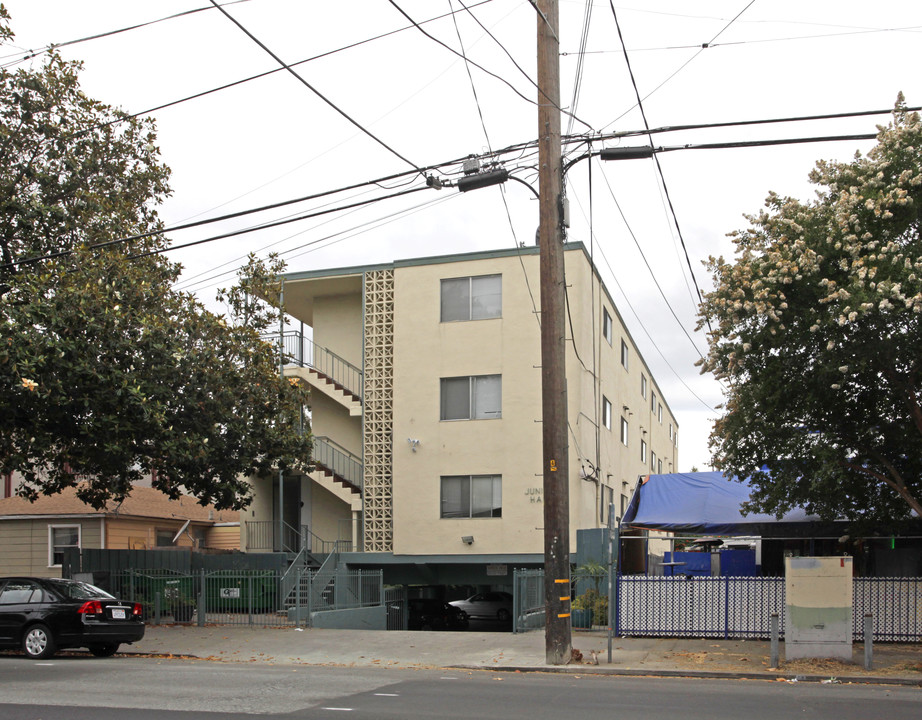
(702, 502)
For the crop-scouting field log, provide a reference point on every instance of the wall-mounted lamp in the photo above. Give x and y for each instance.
(413, 444)
(467, 539)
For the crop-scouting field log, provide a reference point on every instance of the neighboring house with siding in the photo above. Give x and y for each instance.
(34, 535)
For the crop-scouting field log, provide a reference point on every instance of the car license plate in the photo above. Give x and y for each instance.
(118, 613)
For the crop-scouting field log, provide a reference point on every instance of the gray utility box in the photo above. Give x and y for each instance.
(818, 607)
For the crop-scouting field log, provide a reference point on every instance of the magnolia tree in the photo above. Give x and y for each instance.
(107, 373)
(817, 337)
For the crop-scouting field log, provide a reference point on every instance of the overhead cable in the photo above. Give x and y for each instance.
(312, 88)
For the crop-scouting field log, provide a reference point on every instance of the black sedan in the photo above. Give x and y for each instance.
(43, 615)
(431, 614)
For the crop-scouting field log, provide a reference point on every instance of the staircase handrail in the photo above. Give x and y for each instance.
(304, 352)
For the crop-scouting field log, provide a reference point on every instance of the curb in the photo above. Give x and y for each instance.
(698, 674)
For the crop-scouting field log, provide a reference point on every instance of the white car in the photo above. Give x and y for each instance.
(493, 605)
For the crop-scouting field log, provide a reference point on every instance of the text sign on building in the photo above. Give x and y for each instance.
(534, 494)
(229, 593)
(497, 569)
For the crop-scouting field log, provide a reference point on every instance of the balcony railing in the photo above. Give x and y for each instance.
(335, 460)
(303, 352)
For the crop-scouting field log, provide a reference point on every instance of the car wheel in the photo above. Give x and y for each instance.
(503, 615)
(104, 650)
(38, 643)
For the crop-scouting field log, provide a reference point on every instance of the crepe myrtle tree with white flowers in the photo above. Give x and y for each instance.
(816, 334)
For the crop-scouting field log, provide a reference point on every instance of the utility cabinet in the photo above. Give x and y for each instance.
(818, 607)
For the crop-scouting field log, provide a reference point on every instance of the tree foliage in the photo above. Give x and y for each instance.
(107, 372)
(816, 336)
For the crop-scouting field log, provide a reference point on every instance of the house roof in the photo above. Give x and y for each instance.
(143, 502)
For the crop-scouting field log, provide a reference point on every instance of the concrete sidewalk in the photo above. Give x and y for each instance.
(523, 652)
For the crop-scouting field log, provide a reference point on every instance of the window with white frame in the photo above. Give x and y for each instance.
(659, 467)
(643, 386)
(643, 451)
(476, 397)
(606, 412)
(472, 298)
(659, 413)
(471, 496)
(623, 431)
(653, 461)
(624, 354)
(606, 326)
(61, 537)
(670, 431)
(652, 402)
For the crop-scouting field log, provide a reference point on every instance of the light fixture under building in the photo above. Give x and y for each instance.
(467, 539)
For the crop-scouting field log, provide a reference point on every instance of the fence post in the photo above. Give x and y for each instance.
(726, 606)
(156, 608)
(201, 601)
(300, 579)
(774, 636)
(250, 598)
(868, 641)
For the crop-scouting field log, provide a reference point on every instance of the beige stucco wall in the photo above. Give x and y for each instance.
(25, 544)
(338, 325)
(427, 350)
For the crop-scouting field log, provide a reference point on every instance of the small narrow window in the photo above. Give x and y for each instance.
(659, 467)
(624, 354)
(643, 451)
(606, 326)
(652, 402)
(659, 413)
(606, 412)
(652, 460)
(61, 537)
(643, 386)
(623, 431)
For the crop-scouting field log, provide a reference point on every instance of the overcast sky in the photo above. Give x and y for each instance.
(381, 98)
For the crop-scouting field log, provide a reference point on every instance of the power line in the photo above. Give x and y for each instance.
(312, 88)
(54, 46)
(272, 224)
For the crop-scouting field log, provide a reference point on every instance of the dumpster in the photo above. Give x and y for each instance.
(176, 594)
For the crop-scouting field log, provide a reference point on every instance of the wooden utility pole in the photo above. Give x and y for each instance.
(553, 348)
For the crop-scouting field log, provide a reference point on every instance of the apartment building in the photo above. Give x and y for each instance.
(426, 412)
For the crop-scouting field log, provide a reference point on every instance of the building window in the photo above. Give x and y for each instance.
(472, 298)
(623, 431)
(61, 537)
(643, 386)
(606, 326)
(479, 397)
(652, 402)
(653, 461)
(165, 538)
(606, 412)
(659, 467)
(624, 356)
(472, 496)
(670, 431)
(643, 451)
(659, 413)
